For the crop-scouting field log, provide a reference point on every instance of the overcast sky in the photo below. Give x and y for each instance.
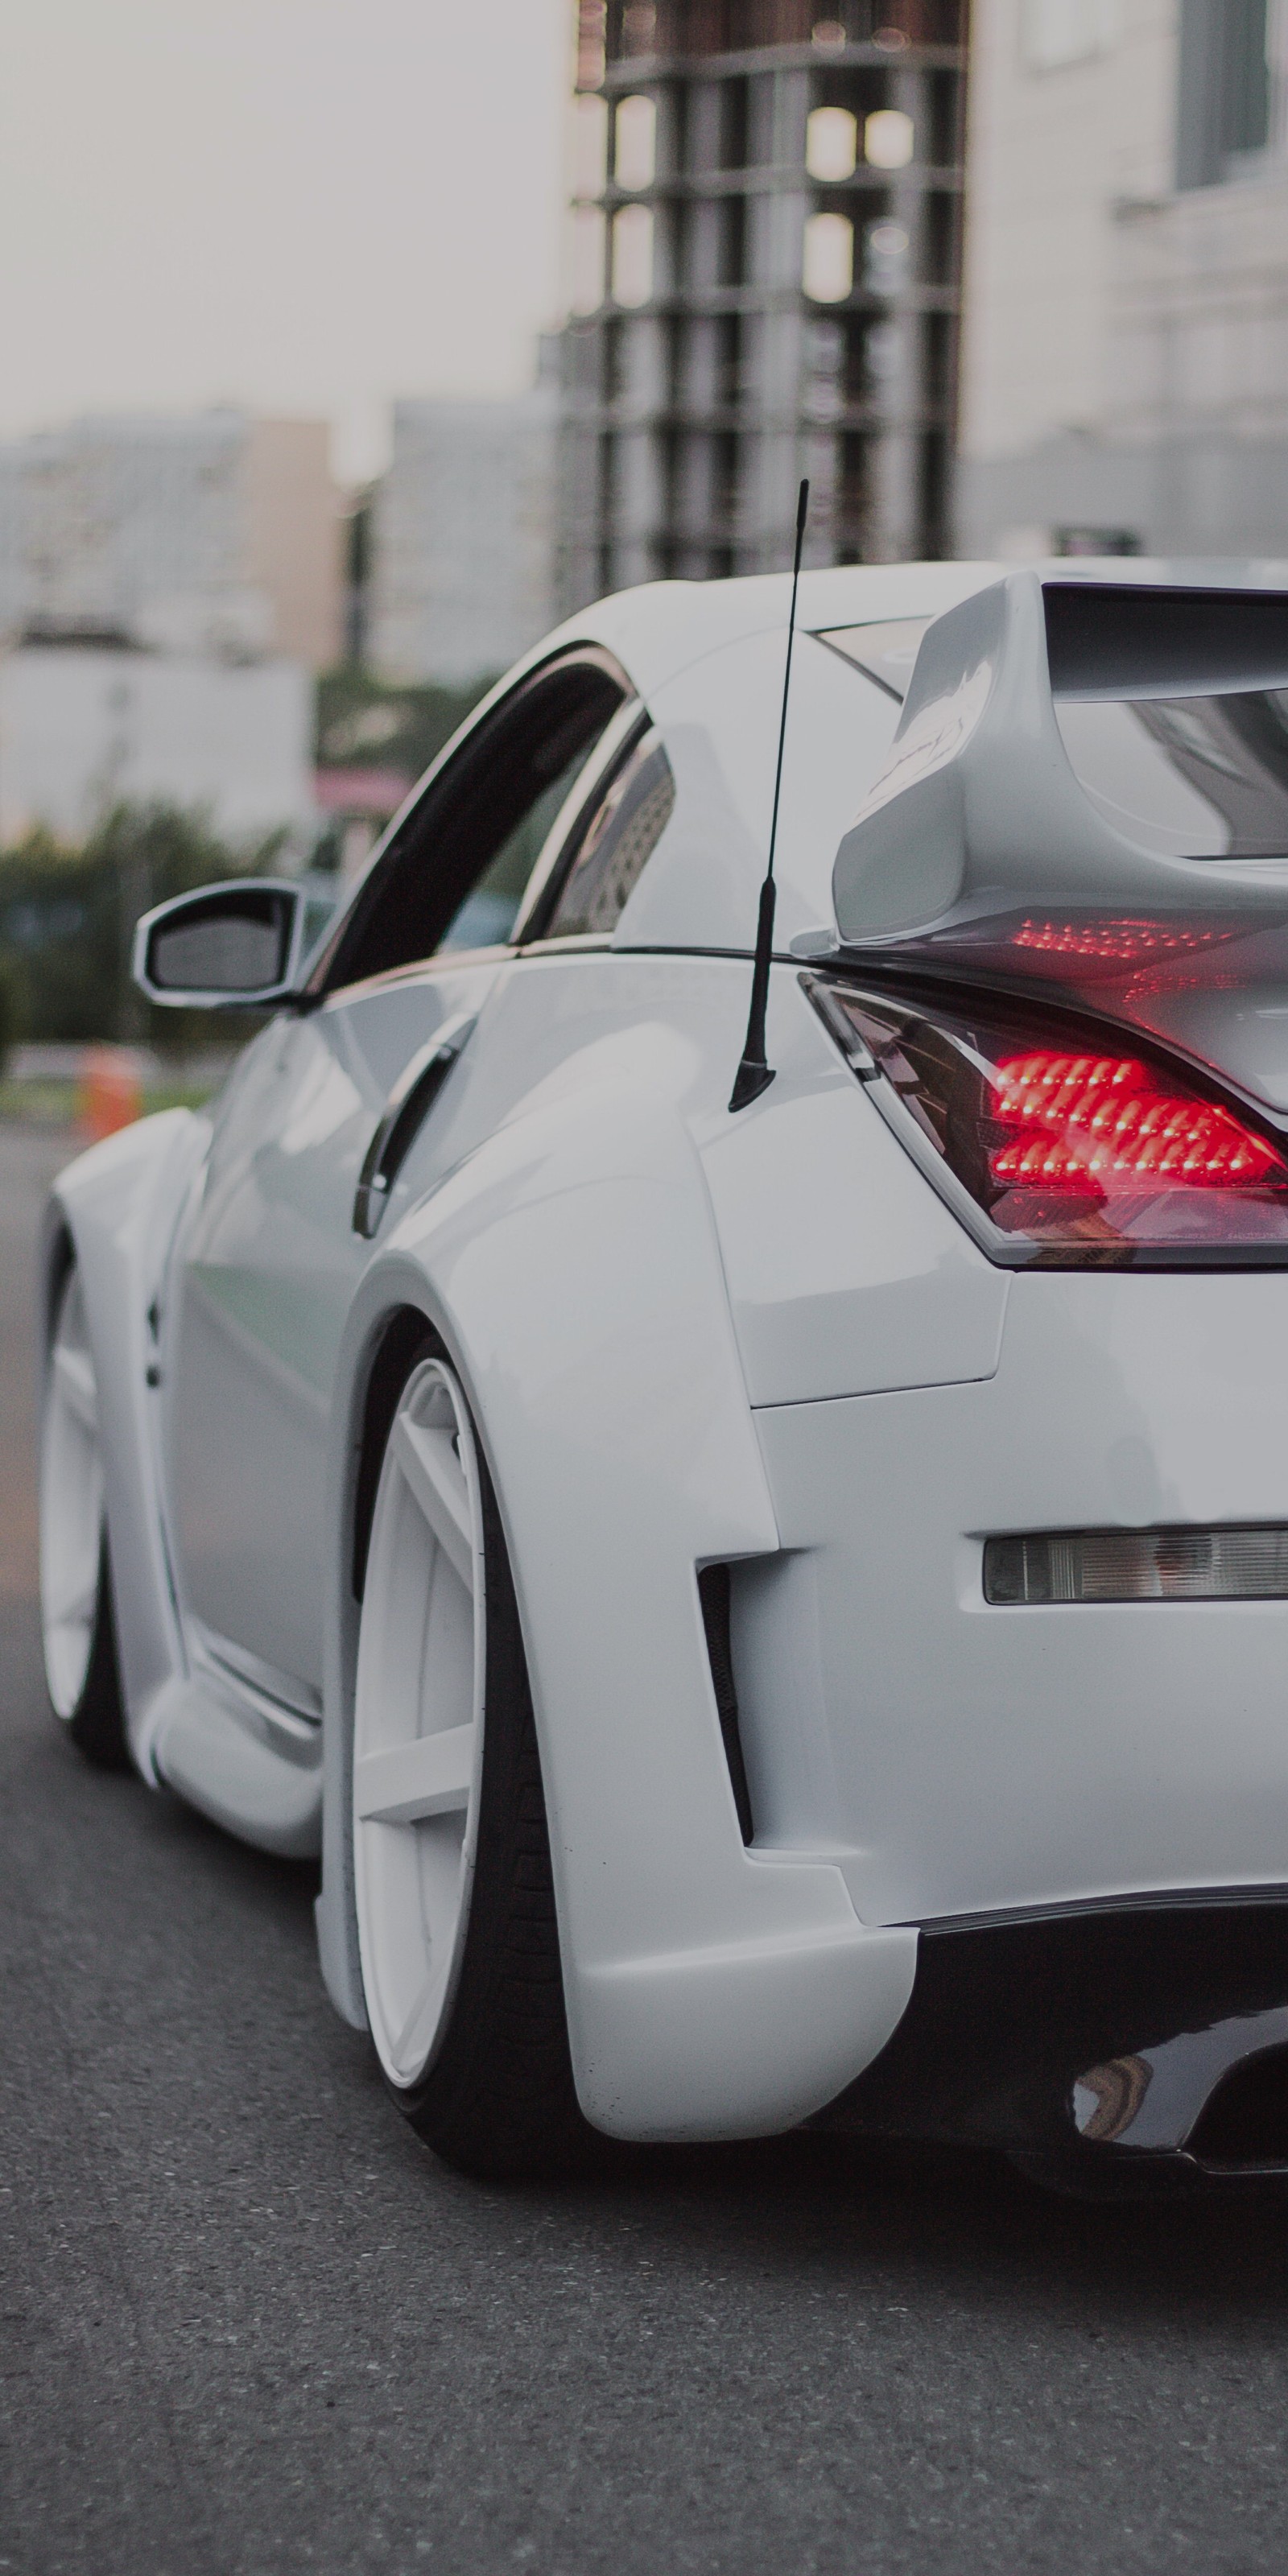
(304, 206)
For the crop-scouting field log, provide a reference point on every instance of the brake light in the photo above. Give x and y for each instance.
(1114, 943)
(1096, 1124)
(1063, 1143)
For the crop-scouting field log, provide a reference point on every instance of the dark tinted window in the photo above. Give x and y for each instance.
(622, 834)
(488, 913)
(455, 874)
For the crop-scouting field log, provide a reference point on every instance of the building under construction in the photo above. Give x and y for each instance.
(766, 256)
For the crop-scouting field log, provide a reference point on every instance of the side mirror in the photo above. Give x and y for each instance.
(238, 946)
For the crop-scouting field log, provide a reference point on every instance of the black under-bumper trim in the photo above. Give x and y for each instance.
(1090, 2042)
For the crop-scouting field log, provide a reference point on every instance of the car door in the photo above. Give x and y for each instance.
(269, 1253)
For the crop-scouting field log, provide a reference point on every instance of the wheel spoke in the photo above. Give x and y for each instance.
(430, 1777)
(437, 1486)
(79, 1609)
(418, 2027)
(74, 1377)
(421, 1664)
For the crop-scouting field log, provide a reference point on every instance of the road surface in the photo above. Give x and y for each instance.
(249, 2325)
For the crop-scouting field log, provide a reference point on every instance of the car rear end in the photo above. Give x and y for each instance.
(1031, 1616)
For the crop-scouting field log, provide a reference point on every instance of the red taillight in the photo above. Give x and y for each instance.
(1061, 1141)
(1111, 942)
(1098, 1124)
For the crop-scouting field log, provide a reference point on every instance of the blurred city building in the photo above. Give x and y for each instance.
(458, 554)
(1125, 355)
(85, 728)
(215, 533)
(765, 281)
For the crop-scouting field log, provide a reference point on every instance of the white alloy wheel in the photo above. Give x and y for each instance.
(418, 1722)
(71, 1505)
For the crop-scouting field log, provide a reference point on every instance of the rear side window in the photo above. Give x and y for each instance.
(623, 831)
(487, 914)
(456, 872)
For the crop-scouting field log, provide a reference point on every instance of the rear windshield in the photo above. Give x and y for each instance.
(1190, 778)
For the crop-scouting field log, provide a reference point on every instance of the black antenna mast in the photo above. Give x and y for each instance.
(754, 1075)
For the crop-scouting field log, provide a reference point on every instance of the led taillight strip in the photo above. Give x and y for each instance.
(1099, 1122)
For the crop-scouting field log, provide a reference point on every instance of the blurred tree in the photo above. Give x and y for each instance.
(67, 923)
(366, 723)
(8, 1016)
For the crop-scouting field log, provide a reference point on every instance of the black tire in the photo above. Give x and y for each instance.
(499, 2101)
(97, 1723)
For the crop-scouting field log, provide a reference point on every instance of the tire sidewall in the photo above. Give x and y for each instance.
(498, 2097)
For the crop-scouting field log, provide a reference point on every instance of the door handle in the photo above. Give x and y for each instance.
(405, 1111)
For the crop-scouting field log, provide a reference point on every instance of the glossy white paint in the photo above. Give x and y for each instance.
(224, 1752)
(663, 628)
(263, 1277)
(572, 1267)
(712, 719)
(684, 1338)
(118, 1205)
(845, 1273)
(986, 1758)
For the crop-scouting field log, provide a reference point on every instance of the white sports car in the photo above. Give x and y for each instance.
(770, 1614)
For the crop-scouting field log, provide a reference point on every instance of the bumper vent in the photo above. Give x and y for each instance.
(713, 1593)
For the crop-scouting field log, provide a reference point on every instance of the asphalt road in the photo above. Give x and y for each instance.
(248, 2325)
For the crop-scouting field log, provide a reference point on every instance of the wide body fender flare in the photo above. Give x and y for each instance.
(572, 1269)
(117, 1206)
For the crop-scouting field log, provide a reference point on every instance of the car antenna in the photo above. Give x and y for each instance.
(754, 1075)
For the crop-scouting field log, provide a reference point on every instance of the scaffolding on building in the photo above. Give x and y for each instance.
(766, 283)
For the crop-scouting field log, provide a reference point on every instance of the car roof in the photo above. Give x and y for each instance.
(659, 628)
(706, 657)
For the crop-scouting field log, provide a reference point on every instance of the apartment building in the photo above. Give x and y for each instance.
(1124, 377)
(214, 533)
(461, 538)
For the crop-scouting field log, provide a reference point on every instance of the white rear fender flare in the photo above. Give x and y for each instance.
(572, 1270)
(115, 1210)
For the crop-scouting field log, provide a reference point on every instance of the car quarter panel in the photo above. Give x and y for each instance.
(572, 1266)
(719, 722)
(846, 1274)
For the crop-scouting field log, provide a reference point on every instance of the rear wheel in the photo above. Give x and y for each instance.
(455, 1899)
(77, 1624)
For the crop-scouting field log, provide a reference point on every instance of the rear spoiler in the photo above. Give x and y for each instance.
(978, 813)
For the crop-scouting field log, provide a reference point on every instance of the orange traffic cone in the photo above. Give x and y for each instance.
(111, 1091)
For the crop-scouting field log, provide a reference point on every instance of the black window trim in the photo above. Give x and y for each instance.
(328, 976)
(546, 883)
(554, 878)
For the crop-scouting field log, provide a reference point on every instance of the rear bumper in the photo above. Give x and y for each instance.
(962, 1759)
(1082, 1807)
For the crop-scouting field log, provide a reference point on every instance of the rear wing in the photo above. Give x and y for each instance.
(1080, 750)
